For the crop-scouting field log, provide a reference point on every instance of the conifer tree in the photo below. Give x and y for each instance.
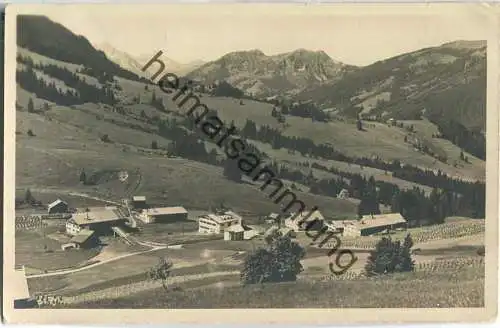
(83, 177)
(31, 106)
(406, 263)
(28, 197)
(232, 171)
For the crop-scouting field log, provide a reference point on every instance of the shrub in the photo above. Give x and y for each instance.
(105, 138)
(161, 271)
(390, 256)
(279, 262)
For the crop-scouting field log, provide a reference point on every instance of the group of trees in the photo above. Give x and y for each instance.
(224, 89)
(278, 262)
(157, 102)
(65, 46)
(300, 109)
(457, 198)
(390, 256)
(86, 92)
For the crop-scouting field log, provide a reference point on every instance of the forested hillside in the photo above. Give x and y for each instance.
(64, 45)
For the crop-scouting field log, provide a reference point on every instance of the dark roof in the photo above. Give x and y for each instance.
(57, 202)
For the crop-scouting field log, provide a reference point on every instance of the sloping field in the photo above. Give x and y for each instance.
(448, 288)
(378, 139)
(166, 181)
(282, 155)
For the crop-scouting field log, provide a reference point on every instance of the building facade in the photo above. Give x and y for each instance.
(218, 223)
(100, 222)
(312, 221)
(234, 232)
(57, 206)
(139, 202)
(164, 214)
(372, 224)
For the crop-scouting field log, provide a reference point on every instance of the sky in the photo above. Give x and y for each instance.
(201, 32)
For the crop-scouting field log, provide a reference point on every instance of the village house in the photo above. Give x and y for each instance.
(273, 218)
(84, 239)
(252, 231)
(139, 202)
(292, 222)
(218, 223)
(163, 214)
(57, 206)
(234, 232)
(284, 231)
(371, 224)
(99, 221)
(337, 226)
(343, 194)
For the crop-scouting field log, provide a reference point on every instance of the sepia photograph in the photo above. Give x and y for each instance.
(331, 161)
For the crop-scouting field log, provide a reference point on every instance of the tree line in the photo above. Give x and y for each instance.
(448, 197)
(29, 81)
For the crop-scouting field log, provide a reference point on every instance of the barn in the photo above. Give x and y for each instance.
(85, 239)
(164, 214)
(371, 224)
(57, 206)
(100, 221)
(139, 202)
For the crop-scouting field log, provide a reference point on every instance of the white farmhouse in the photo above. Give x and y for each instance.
(218, 223)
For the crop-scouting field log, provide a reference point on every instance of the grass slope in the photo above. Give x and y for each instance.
(464, 288)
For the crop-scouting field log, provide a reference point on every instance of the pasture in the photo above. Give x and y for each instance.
(40, 253)
(446, 288)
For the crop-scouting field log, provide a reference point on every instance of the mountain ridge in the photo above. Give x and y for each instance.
(260, 75)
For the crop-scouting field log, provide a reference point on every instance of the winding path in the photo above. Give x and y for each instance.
(62, 272)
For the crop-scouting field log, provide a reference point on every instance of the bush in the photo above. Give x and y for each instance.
(390, 256)
(161, 271)
(105, 138)
(279, 262)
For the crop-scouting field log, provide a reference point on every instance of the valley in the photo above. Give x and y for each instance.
(357, 142)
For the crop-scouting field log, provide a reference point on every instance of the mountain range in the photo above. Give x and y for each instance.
(134, 64)
(262, 76)
(447, 82)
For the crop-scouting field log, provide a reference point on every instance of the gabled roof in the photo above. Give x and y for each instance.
(165, 210)
(82, 236)
(306, 214)
(95, 217)
(379, 220)
(228, 216)
(235, 228)
(57, 202)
